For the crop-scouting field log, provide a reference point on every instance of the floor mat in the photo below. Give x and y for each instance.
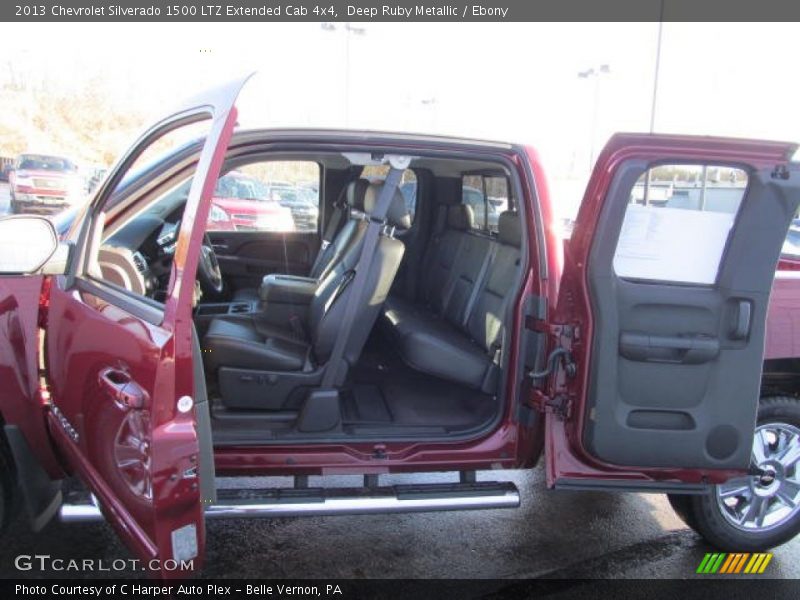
(382, 381)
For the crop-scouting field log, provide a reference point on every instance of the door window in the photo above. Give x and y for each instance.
(277, 196)
(487, 196)
(139, 221)
(677, 223)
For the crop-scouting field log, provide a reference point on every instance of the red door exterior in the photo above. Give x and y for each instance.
(120, 373)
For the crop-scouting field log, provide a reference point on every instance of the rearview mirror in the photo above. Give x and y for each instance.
(26, 243)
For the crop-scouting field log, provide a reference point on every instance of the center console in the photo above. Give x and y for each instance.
(220, 309)
(283, 299)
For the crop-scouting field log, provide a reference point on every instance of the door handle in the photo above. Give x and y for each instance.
(219, 247)
(676, 349)
(119, 385)
(741, 321)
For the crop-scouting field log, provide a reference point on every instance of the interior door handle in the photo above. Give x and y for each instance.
(119, 385)
(741, 323)
(677, 349)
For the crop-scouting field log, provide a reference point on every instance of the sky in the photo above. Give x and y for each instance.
(506, 81)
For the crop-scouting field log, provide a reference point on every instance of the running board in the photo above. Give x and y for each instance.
(293, 502)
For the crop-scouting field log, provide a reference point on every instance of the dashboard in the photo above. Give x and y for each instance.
(139, 256)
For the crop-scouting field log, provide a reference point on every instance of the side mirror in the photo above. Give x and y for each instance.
(26, 243)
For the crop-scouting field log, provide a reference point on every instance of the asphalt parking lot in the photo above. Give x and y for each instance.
(553, 534)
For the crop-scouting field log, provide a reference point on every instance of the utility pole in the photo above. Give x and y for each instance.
(349, 30)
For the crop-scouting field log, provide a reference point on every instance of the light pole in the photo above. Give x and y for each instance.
(348, 31)
(646, 200)
(595, 73)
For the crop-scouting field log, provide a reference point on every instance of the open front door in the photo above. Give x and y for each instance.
(663, 302)
(125, 408)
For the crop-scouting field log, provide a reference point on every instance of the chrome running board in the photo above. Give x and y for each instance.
(294, 502)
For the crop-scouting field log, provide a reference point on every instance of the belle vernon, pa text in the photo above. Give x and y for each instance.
(166, 591)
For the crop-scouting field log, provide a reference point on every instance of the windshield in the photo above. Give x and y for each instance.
(40, 162)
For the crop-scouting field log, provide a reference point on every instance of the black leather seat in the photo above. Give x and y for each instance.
(243, 345)
(335, 241)
(457, 331)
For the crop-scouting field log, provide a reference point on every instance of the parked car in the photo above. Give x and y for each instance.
(44, 183)
(790, 254)
(485, 214)
(302, 201)
(628, 365)
(93, 178)
(243, 203)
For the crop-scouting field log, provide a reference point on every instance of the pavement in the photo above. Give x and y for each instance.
(562, 534)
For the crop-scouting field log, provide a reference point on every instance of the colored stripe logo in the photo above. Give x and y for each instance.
(734, 563)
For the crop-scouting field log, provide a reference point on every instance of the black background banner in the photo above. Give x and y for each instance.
(398, 11)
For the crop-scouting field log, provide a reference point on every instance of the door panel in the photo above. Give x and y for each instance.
(120, 365)
(669, 360)
(245, 257)
(114, 444)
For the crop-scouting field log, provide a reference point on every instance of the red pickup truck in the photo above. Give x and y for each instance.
(382, 343)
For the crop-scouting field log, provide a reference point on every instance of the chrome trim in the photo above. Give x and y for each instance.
(340, 502)
(80, 512)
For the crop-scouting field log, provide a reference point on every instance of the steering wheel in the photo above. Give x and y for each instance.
(208, 271)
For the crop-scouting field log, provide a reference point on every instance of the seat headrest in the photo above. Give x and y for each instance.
(397, 214)
(509, 229)
(460, 217)
(354, 196)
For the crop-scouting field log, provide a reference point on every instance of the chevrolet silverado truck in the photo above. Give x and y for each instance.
(378, 343)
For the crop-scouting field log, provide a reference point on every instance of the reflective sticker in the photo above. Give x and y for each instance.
(184, 543)
(185, 404)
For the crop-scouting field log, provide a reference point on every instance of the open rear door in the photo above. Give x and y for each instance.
(662, 308)
(125, 408)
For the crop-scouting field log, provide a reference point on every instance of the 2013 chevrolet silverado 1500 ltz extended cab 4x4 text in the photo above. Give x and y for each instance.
(151, 356)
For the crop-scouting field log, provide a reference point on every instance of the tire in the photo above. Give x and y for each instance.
(727, 517)
(7, 507)
(681, 504)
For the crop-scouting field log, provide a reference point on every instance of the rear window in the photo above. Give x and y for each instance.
(487, 196)
(408, 184)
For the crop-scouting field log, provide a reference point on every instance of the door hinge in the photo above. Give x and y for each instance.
(559, 405)
(561, 355)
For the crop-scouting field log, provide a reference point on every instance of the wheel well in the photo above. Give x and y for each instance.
(781, 377)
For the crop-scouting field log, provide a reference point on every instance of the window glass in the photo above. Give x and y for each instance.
(279, 196)
(677, 223)
(487, 196)
(137, 244)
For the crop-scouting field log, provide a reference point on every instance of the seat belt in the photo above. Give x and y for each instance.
(340, 210)
(334, 373)
(479, 282)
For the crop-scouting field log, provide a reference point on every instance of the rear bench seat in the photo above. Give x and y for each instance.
(455, 332)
